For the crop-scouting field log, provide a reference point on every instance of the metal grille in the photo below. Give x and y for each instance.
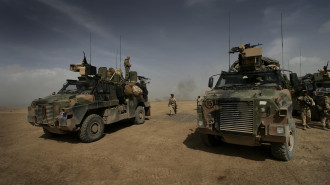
(236, 116)
(45, 114)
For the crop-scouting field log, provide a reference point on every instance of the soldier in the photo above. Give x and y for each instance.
(199, 101)
(172, 105)
(306, 102)
(110, 72)
(127, 67)
(324, 107)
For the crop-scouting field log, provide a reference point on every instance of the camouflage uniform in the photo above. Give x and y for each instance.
(172, 105)
(110, 72)
(306, 102)
(324, 107)
(199, 101)
(127, 67)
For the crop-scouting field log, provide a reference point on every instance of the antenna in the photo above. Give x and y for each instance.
(282, 40)
(90, 48)
(300, 60)
(229, 42)
(120, 51)
(116, 58)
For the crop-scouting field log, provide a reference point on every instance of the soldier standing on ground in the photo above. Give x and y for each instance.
(306, 102)
(127, 67)
(199, 100)
(324, 107)
(172, 105)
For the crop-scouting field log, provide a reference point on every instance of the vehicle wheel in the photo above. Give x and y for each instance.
(140, 115)
(91, 129)
(285, 151)
(211, 140)
(49, 134)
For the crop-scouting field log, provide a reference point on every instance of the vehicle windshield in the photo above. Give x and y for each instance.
(323, 87)
(75, 87)
(259, 79)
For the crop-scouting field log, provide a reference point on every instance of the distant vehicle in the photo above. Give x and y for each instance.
(250, 105)
(87, 104)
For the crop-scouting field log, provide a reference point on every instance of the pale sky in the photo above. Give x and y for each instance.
(176, 43)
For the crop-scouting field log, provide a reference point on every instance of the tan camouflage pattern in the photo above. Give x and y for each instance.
(172, 105)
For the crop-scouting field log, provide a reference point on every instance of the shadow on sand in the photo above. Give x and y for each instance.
(259, 153)
(312, 124)
(73, 137)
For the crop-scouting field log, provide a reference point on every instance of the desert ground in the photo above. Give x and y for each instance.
(163, 150)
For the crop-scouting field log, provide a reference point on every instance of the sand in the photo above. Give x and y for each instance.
(163, 150)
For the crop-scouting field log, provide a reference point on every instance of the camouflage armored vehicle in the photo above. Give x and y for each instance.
(85, 105)
(249, 105)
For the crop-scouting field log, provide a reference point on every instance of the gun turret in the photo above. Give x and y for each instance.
(83, 68)
(326, 67)
(143, 78)
(84, 60)
(249, 56)
(242, 47)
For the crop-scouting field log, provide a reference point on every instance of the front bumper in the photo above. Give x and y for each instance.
(59, 124)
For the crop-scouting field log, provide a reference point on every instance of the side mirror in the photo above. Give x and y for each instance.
(294, 81)
(211, 82)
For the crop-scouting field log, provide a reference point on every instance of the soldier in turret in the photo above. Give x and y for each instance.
(306, 102)
(324, 107)
(172, 105)
(127, 67)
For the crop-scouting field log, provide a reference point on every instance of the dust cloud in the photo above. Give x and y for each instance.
(186, 89)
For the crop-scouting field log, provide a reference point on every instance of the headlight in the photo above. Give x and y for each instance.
(262, 102)
(262, 109)
(280, 130)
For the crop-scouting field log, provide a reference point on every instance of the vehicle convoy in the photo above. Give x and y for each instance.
(250, 105)
(87, 104)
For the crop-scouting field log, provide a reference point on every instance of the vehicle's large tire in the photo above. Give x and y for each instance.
(285, 151)
(91, 129)
(211, 140)
(140, 115)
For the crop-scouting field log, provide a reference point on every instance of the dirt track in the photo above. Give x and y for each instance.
(164, 150)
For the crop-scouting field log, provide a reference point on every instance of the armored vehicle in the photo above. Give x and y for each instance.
(85, 105)
(249, 105)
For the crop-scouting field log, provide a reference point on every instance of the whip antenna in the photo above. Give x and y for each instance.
(300, 61)
(120, 50)
(90, 48)
(116, 57)
(229, 42)
(282, 40)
